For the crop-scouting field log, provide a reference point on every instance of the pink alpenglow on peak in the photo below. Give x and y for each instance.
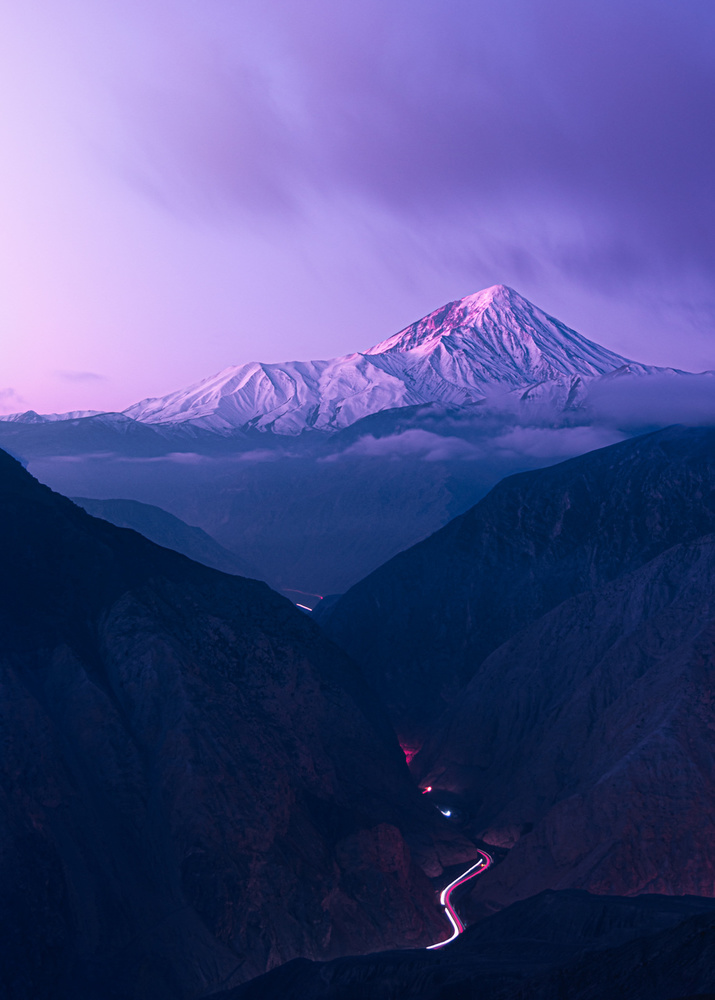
(498, 327)
(488, 344)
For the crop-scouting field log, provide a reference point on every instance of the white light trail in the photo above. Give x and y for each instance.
(476, 869)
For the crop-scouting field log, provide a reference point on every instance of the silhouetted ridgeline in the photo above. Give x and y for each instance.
(552, 946)
(553, 650)
(195, 784)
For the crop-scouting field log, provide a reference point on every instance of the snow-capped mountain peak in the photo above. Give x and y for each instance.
(503, 328)
(31, 417)
(447, 319)
(494, 341)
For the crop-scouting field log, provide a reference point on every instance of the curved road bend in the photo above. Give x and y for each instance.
(480, 866)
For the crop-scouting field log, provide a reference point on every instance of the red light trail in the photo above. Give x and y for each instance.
(480, 866)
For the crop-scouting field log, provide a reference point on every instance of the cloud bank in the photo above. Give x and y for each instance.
(598, 112)
(507, 428)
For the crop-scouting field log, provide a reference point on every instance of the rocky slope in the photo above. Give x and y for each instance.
(423, 623)
(164, 529)
(195, 785)
(585, 743)
(567, 624)
(555, 945)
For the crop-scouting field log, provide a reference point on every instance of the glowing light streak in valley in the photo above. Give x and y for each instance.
(476, 869)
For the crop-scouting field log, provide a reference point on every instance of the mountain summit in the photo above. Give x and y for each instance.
(486, 344)
(477, 347)
(505, 338)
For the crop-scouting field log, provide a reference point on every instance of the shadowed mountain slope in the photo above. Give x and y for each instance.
(555, 945)
(568, 621)
(421, 625)
(286, 464)
(195, 785)
(585, 744)
(164, 529)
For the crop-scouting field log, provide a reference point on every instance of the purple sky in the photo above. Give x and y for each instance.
(188, 184)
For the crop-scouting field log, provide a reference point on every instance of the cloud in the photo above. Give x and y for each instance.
(554, 443)
(173, 457)
(655, 401)
(547, 444)
(11, 400)
(525, 435)
(409, 444)
(79, 376)
(180, 457)
(93, 456)
(587, 123)
(262, 455)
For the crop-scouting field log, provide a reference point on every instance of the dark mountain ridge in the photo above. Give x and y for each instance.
(584, 743)
(367, 454)
(422, 623)
(164, 529)
(195, 784)
(567, 624)
(552, 946)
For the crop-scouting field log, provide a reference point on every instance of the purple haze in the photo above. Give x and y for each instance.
(195, 185)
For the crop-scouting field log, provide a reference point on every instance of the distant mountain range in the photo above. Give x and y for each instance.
(168, 531)
(317, 472)
(488, 344)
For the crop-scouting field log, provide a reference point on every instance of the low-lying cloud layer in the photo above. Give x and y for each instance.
(656, 401)
(547, 443)
(613, 409)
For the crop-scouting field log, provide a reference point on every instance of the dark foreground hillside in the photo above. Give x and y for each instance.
(194, 783)
(568, 945)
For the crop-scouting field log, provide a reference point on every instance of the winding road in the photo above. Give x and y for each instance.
(476, 869)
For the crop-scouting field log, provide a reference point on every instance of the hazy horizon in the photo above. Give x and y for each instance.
(193, 186)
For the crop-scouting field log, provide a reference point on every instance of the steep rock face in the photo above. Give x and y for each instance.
(572, 612)
(421, 625)
(195, 785)
(585, 743)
